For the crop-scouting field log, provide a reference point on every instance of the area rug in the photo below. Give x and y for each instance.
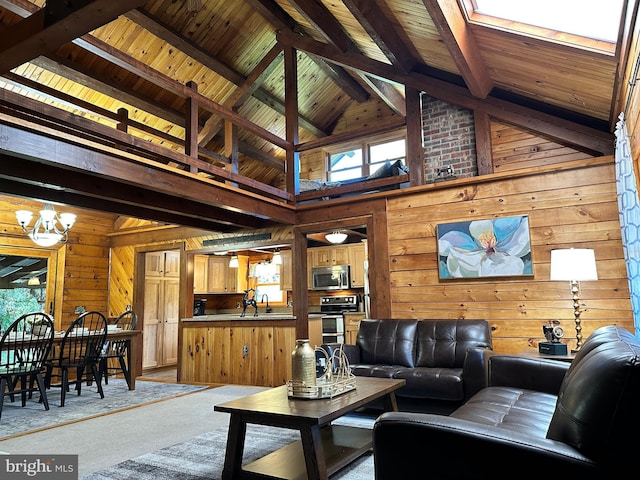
(19, 420)
(202, 457)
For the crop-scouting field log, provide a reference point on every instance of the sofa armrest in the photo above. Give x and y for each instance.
(475, 370)
(404, 442)
(537, 374)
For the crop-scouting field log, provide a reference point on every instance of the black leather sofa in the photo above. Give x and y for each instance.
(536, 418)
(440, 360)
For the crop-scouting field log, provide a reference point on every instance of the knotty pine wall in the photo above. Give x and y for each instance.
(576, 207)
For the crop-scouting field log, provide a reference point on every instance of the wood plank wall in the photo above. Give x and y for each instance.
(514, 148)
(572, 208)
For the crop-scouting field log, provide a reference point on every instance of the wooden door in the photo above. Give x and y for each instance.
(152, 325)
(161, 308)
(171, 319)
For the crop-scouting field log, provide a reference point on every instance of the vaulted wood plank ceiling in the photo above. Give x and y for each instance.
(353, 55)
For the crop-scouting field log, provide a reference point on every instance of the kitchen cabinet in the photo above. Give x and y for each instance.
(162, 264)
(200, 267)
(357, 257)
(329, 256)
(223, 279)
(161, 309)
(237, 354)
(351, 326)
(212, 274)
(286, 283)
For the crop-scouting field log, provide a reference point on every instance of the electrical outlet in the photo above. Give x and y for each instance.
(245, 351)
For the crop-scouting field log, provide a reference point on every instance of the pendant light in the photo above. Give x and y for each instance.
(336, 237)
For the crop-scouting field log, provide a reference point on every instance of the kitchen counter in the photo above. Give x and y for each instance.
(235, 317)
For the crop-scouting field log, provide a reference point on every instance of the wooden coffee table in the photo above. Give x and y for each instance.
(323, 448)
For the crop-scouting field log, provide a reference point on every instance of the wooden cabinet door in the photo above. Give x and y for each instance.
(154, 264)
(357, 256)
(351, 326)
(340, 255)
(152, 322)
(285, 271)
(218, 269)
(171, 319)
(172, 264)
(200, 273)
(161, 310)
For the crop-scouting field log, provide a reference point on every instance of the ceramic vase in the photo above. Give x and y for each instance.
(303, 363)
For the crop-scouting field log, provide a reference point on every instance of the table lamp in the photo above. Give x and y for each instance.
(574, 265)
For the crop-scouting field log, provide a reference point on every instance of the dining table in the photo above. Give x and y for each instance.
(133, 339)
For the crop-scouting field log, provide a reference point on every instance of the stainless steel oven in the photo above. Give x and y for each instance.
(332, 309)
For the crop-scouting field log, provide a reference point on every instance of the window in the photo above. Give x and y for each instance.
(365, 159)
(587, 18)
(267, 278)
(588, 24)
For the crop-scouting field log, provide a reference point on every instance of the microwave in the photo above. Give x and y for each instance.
(330, 278)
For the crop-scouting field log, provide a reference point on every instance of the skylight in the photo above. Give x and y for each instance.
(594, 19)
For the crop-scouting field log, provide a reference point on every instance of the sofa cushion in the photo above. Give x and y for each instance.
(432, 382)
(444, 343)
(379, 371)
(598, 400)
(387, 342)
(515, 409)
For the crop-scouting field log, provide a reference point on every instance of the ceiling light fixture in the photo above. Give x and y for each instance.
(336, 237)
(233, 263)
(45, 231)
(277, 258)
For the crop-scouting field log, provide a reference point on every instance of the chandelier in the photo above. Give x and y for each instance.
(45, 231)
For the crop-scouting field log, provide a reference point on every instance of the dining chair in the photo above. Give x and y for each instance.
(113, 350)
(24, 346)
(79, 352)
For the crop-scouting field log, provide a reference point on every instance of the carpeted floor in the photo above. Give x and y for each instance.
(18, 420)
(202, 457)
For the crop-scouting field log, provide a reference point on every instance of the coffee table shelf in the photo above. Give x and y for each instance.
(341, 446)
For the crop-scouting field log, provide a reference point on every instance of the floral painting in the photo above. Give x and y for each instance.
(499, 247)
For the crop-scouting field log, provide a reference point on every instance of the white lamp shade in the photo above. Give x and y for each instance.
(573, 264)
(24, 217)
(233, 263)
(336, 237)
(277, 258)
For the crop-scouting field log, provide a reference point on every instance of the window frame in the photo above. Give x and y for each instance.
(365, 145)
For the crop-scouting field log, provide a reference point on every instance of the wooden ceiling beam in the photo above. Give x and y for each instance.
(40, 148)
(66, 68)
(375, 23)
(11, 186)
(570, 133)
(462, 46)
(324, 23)
(279, 19)
(41, 32)
(331, 30)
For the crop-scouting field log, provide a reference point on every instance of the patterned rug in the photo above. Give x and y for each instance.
(202, 457)
(18, 420)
